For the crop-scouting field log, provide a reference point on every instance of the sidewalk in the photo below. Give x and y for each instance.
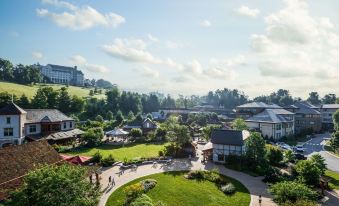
(254, 184)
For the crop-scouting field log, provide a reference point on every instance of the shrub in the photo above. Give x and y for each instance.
(308, 172)
(292, 191)
(300, 203)
(97, 157)
(142, 200)
(319, 161)
(272, 175)
(108, 161)
(148, 184)
(274, 155)
(161, 153)
(135, 132)
(133, 191)
(196, 174)
(228, 189)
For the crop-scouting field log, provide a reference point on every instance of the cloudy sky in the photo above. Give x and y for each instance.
(181, 47)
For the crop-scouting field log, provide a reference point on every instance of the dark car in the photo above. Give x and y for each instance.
(299, 156)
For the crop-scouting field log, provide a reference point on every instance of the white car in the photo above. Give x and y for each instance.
(300, 148)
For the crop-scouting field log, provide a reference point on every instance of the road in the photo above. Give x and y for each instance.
(315, 145)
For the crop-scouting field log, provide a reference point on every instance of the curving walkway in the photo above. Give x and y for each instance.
(254, 184)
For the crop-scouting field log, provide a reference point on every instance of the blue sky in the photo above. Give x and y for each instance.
(181, 47)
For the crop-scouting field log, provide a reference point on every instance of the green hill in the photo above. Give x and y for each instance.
(29, 91)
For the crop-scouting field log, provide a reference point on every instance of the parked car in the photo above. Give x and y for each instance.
(284, 146)
(300, 148)
(299, 156)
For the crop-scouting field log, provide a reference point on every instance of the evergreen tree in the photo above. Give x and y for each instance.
(64, 100)
(24, 102)
(39, 101)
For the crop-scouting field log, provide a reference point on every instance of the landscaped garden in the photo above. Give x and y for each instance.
(183, 188)
(120, 153)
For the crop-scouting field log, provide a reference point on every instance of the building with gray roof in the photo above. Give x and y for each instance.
(327, 111)
(249, 109)
(62, 74)
(225, 142)
(272, 123)
(307, 117)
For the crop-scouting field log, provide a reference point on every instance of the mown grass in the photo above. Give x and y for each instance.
(129, 151)
(175, 190)
(30, 90)
(334, 179)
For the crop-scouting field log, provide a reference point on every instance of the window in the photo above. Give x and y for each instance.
(221, 157)
(8, 120)
(70, 124)
(278, 127)
(32, 128)
(8, 132)
(64, 125)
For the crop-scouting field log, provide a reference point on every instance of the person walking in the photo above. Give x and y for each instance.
(113, 181)
(109, 180)
(260, 200)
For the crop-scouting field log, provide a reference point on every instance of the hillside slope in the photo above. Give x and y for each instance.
(29, 91)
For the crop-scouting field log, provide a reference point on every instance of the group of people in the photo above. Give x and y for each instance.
(111, 181)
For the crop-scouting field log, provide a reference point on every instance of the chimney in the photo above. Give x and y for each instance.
(75, 67)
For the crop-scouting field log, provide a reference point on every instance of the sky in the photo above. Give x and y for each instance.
(181, 47)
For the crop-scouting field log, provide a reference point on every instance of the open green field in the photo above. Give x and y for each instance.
(129, 151)
(175, 190)
(29, 91)
(334, 179)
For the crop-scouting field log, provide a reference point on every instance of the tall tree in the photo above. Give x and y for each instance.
(39, 101)
(57, 186)
(314, 98)
(112, 97)
(329, 99)
(64, 100)
(255, 149)
(239, 124)
(6, 70)
(24, 102)
(77, 105)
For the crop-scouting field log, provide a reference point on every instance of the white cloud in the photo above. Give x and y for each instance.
(132, 50)
(152, 38)
(297, 45)
(82, 62)
(205, 23)
(37, 55)
(79, 18)
(245, 11)
(172, 45)
(148, 72)
(62, 4)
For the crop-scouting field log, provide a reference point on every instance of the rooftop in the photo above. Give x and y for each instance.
(11, 109)
(228, 137)
(271, 115)
(259, 105)
(46, 115)
(304, 107)
(330, 106)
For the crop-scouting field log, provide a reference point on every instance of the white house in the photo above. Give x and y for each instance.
(272, 123)
(225, 142)
(17, 124)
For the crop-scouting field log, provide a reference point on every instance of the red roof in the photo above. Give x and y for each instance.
(78, 160)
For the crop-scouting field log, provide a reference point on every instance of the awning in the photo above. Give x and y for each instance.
(117, 132)
(207, 146)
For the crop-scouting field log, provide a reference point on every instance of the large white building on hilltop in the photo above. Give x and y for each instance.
(62, 74)
(17, 124)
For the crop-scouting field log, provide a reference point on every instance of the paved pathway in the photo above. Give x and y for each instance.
(254, 184)
(315, 145)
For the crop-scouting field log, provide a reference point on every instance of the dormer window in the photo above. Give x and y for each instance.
(8, 120)
(65, 125)
(70, 124)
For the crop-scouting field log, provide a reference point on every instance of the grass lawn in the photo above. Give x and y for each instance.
(328, 148)
(334, 179)
(129, 151)
(175, 190)
(29, 91)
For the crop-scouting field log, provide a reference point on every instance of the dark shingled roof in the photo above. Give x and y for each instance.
(17, 161)
(11, 109)
(46, 115)
(227, 137)
(304, 108)
(271, 116)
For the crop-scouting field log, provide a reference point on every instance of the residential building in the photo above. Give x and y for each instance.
(17, 124)
(63, 74)
(145, 125)
(272, 123)
(249, 109)
(307, 117)
(17, 161)
(225, 142)
(327, 111)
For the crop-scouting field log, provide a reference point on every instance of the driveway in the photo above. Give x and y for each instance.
(254, 184)
(315, 145)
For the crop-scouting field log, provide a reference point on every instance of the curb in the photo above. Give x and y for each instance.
(323, 147)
